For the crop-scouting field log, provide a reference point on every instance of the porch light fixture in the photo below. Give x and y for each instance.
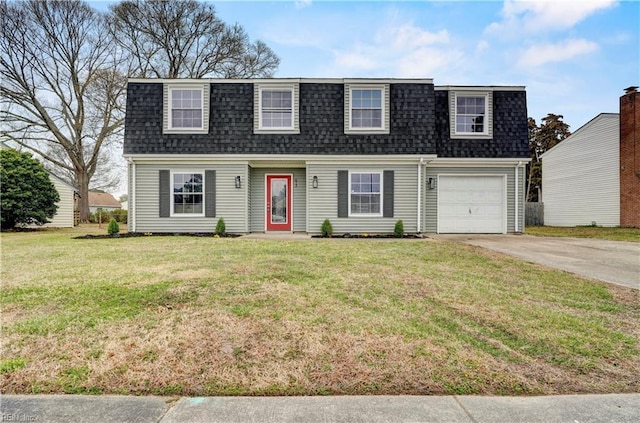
(315, 182)
(432, 183)
(238, 182)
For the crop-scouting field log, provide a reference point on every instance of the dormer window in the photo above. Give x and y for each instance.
(186, 109)
(366, 108)
(276, 108)
(471, 114)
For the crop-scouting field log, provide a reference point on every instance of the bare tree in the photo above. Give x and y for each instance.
(62, 89)
(185, 39)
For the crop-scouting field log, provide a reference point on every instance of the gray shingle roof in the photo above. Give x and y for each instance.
(418, 124)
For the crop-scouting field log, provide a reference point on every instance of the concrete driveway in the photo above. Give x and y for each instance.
(610, 261)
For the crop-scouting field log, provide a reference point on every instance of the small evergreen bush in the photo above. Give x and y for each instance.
(398, 230)
(113, 228)
(221, 228)
(326, 229)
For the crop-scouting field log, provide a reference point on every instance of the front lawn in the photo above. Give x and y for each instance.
(206, 316)
(613, 234)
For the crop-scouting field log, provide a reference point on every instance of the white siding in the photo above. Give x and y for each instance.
(64, 214)
(580, 176)
(231, 202)
(430, 209)
(323, 201)
(258, 205)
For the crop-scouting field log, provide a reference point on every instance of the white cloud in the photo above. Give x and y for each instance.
(403, 50)
(534, 16)
(482, 46)
(541, 54)
(301, 4)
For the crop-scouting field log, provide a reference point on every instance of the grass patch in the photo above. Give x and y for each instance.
(612, 234)
(207, 316)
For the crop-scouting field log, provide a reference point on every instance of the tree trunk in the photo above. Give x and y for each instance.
(82, 179)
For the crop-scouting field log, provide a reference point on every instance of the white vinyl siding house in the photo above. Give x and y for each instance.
(66, 205)
(581, 176)
(283, 155)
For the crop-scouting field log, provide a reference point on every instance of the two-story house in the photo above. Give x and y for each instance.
(286, 154)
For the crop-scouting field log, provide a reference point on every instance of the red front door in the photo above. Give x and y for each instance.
(278, 203)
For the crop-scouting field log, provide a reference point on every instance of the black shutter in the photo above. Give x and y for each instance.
(210, 193)
(388, 187)
(343, 193)
(164, 193)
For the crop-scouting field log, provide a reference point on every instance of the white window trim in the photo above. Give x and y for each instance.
(378, 172)
(288, 88)
(258, 128)
(167, 101)
(172, 205)
(488, 121)
(384, 90)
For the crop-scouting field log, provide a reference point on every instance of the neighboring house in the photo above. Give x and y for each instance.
(286, 154)
(593, 176)
(102, 200)
(64, 217)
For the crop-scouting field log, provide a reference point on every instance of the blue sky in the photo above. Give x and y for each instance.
(574, 57)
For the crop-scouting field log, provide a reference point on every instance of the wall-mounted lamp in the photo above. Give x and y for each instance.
(295, 182)
(432, 183)
(238, 182)
(315, 182)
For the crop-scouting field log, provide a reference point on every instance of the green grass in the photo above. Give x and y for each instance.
(207, 316)
(598, 232)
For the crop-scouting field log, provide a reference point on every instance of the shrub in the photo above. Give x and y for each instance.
(113, 228)
(398, 230)
(100, 216)
(326, 229)
(120, 215)
(221, 228)
(28, 196)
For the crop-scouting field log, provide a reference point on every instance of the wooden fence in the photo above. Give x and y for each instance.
(534, 214)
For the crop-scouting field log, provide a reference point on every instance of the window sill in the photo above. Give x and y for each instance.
(365, 131)
(186, 131)
(472, 136)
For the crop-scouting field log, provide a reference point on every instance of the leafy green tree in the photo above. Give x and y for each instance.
(542, 138)
(28, 195)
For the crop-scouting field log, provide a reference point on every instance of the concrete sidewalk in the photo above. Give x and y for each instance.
(619, 408)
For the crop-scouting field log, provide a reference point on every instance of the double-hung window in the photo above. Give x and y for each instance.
(366, 108)
(276, 108)
(186, 108)
(188, 194)
(471, 114)
(365, 194)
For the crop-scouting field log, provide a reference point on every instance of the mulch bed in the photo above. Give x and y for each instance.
(143, 234)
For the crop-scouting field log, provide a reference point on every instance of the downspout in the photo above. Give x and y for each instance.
(131, 213)
(418, 229)
(517, 199)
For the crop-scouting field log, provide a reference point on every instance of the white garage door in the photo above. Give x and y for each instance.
(471, 204)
